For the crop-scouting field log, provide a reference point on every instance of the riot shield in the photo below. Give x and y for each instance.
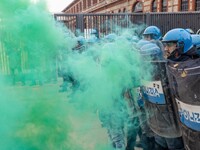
(161, 114)
(185, 84)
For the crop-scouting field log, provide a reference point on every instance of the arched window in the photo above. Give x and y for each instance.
(197, 5)
(184, 5)
(124, 10)
(154, 6)
(138, 7)
(119, 11)
(164, 5)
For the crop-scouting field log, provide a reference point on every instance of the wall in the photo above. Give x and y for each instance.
(116, 6)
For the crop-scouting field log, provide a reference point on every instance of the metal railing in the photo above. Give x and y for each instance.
(106, 22)
(167, 21)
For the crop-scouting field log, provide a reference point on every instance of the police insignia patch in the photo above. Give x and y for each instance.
(184, 74)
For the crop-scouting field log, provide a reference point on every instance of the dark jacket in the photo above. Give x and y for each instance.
(191, 54)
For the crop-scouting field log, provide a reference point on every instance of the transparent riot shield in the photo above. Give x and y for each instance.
(160, 107)
(185, 85)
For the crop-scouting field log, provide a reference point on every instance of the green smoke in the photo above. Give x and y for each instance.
(103, 72)
(31, 38)
(32, 118)
(33, 121)
(40, 117)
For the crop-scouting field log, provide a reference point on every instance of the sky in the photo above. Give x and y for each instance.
(57, 5)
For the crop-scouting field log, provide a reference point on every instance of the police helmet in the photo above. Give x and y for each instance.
(154, 32)
(150, 49)
(196, 40)
(181, 37)
(141, 43)
(190, 30)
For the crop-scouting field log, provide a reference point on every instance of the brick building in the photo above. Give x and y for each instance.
(129, 6)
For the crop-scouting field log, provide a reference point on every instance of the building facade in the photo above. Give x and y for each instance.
(131, 6)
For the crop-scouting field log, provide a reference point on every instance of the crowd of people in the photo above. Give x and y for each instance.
(170, 118)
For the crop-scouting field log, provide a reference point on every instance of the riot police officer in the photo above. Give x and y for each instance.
(158, 103)
(179, 45)
(153, 34)
(111, 119)
(196, 41)
(148, 47)
(93, 37)
(183, 68)
(68, 77)
(81, 44)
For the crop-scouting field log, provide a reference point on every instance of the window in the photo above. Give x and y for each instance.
(77, 8)
(164, 5)
(94, 2)
(197, 5)
(184, 5)
(89, 3)
(84, 4)
(119, 11)
(124, 10)
(137, 8)
(80, 6)
(154, 6)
